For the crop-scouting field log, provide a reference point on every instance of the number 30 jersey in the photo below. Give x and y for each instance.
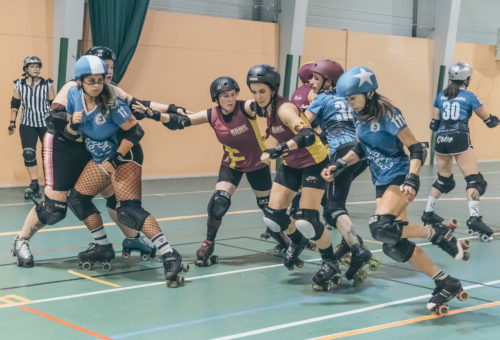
(455, 113)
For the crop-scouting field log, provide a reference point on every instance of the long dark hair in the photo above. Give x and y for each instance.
(454, 87)
(376, 107)
(272, 116)
(106, 99)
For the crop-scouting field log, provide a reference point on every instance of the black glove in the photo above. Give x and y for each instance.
(412, 180)
(172, 108)
(138, 115)
(434, 125)
(12, 125)
(277, 151)
(492, 121)
(177, 121)
(340, 166)
(155, 116)
(74, 126)
(116, 160)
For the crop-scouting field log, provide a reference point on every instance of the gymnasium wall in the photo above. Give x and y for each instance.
(180, 54)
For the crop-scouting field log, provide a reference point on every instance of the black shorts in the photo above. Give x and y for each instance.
(309, 177)
(259, 180)
(30, 135)
(380, 189)
(63, 162)
(135, 155)
(452, 143)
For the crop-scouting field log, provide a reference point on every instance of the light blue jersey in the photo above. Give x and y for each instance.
(335, 119)
(383, 149)
(99, 131)
(455, 113)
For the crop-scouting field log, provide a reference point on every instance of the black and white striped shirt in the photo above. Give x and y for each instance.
(35, 101)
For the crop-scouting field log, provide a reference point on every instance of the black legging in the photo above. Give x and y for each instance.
(29, 136)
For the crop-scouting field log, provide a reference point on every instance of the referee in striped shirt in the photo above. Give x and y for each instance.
(35, 94)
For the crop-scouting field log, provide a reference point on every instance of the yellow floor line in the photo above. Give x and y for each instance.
(404, 322)
(12, 299)
(93, 278)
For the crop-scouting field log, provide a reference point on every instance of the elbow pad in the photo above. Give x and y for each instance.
(134, 134)
(419, 151)
(306, 137)
(56, 121)
(15, 103)
(358, 150)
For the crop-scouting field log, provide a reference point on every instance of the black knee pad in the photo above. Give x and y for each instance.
(81, 205)
(131, 214)
(219, 204)
(111, 202)
(447, 186)
(477, 182)
(50, 211)
(401, 251)
(308, 224)
(331, 215)
(276, 220)
(29, 156)
(262, 202)
(386, 229)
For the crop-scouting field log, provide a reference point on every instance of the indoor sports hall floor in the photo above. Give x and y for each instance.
(249, 294)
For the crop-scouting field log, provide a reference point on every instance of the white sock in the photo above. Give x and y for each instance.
(99, 236)
(474, 208)
(431, 203)
(161, 244)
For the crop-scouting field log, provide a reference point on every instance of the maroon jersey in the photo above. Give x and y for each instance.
(241, 139)
(300, 97)
(298, 158)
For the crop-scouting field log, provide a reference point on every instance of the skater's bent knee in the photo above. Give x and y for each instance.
(386, 229)
(51, 211)
(308, 224)
(131, 213)
(276, 220)
(401, 251)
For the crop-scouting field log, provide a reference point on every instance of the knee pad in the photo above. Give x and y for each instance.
(308, 224)
(401, 251)
(219, 204)
(111, 202)
(276, 220)
(131, 214)
(386, 229)
(447, 186)
(477, 182)
(262, 202)
(331, 216)
(81, 205)
(29, 156)
(50, 211)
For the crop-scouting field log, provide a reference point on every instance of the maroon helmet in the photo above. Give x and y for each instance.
(305, 72)
(328, 69)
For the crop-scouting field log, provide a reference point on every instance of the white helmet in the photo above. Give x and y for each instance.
(460, 71)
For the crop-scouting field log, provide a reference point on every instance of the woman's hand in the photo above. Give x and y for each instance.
(327, 173)
(410, 186)
(265, 158)
(77, 117)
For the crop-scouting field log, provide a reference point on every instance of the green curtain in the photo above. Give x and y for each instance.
(117, 24)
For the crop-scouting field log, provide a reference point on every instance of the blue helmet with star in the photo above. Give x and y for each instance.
(356, 80)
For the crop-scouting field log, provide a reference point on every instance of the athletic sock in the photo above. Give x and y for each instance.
(440, 276)
(99, 236)
(161, 244)
(473, 208)
(431, 203)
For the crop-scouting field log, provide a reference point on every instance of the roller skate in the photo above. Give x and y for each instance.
(282, 240)
(476, 224)
(172, 266)
(22, 251)
(141, 244)
(444, 239)
(430, 217)
(97, 253)
(446, 289)
(355, 271)
(292, 254)
(327, 276)
(204, 255)
(33, 191)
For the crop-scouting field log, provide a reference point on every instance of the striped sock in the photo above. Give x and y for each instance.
(440, 276)
(161, 244)
(99, 236)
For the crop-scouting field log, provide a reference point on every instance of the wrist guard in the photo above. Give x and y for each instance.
(412, 180)
(340, 166)
(172, 108)
(434, 125)
(492, 121)
(279, 150)
(116, 160)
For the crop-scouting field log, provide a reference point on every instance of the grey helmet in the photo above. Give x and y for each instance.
(29, 60)
(460, 71)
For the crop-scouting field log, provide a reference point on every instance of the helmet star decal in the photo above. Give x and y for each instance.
(364, 77)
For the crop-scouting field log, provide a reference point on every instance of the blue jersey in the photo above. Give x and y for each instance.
(99, 131)
(455, 113)
(383, 149)
(335, 119)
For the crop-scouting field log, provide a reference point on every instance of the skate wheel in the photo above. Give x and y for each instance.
(125, 255)
(87, 265)
(337, 280)
(264, 236)
(329, 227)
(326, 286)
(277, 249)
(466, 256)
(145, 257)
(374, 264)
(299, 264)
(199, 263)
(311, 245)
(463, 296)
(185, 267)
(470, 232)
(346, 260)
(180, 280)
(359, 278)
(171, 283)
(215, 259)
(453, 224)
(485, 238)
(106, 266)
(443, 310)
(208, 262)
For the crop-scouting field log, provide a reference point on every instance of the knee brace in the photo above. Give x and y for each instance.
(262, 202)
(29, 156)
(447, 186)
(111, 202)
(477, 182)
(401, 251)
(308, 224)
(50, 211)
(386, 229)
(81, 205)
(219, 204)
(331, 215)
(131, 214)
(276, 220)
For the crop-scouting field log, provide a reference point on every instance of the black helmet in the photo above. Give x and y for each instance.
(105, 53)
(266, 74)
(31, 60)
(222, 84)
